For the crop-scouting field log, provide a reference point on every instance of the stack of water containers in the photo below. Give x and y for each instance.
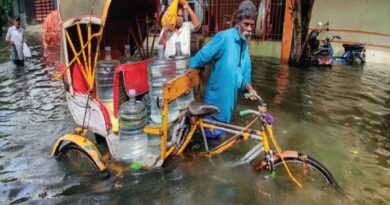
(105, 80)
(182, 61)
(133, 142)
(160, 71)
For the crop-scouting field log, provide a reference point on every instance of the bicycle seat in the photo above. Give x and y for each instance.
(353, 46)
(200, 109)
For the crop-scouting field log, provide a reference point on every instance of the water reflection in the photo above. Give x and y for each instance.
(281, 85)
(341, 116)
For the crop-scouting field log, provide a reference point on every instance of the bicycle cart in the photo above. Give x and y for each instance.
(83, 33)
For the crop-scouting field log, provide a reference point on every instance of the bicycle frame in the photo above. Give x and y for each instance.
(240, 134)
(179, 86)
(191, 79)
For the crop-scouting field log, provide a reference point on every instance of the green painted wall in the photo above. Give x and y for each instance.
(270, 49)
(259, 48)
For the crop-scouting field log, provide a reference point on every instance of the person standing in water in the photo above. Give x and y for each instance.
(231, 70)
(15, 37)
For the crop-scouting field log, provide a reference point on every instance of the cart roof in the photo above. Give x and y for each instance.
(75, 8)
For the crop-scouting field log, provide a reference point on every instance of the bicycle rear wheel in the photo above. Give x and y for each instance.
(307, 170)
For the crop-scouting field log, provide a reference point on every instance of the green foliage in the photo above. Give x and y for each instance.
(6, 4)
(5, 9)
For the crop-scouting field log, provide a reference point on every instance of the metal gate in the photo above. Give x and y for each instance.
(43, 8)
(221, 16)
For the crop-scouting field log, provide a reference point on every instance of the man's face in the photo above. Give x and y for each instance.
(180, 18)
(17, 24)
(245, 27)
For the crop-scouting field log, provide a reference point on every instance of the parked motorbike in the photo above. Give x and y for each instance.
(323, 56)
(353, 54)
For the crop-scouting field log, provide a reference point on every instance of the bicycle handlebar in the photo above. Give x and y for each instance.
(254, 112)
(261, 102)
(247, 112)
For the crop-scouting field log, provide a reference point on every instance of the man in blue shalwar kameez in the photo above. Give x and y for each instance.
(231, 71)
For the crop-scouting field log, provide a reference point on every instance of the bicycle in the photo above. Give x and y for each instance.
(193, 119)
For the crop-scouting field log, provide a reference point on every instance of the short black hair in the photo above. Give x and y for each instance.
(17, 18)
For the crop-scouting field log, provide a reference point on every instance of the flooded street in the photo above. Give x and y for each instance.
(340, 116)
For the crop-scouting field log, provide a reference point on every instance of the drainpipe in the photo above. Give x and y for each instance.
(287, 32)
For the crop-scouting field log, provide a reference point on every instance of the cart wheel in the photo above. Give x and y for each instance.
(77, 160)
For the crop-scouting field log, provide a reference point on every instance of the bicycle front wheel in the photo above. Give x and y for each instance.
(305, 169)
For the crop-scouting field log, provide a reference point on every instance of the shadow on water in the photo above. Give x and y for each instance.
(341, 116)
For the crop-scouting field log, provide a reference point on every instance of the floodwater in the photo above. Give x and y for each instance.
(340, 116)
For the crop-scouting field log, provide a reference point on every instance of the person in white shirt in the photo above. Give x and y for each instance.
(15, 37)
(181, 33)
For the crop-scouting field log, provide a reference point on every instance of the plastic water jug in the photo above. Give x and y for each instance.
(160, 71)
(126, 58)
(133, 142)
(105, 79)
(182, 61)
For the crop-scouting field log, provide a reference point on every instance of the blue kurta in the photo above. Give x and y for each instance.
(229, 72)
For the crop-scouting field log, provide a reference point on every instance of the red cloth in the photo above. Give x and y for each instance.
(135, 76)
(78, 81)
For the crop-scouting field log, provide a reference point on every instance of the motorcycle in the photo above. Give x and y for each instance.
(353, 54)
(323, 56)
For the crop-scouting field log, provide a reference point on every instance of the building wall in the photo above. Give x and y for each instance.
(261, 48)
(30, 11)
(358, 21)
(26, 10)
(269, 49)
(19, 9)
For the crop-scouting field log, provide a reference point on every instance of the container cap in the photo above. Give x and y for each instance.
(107, 48)
(127, 46)
(136, 165)
(132, 93)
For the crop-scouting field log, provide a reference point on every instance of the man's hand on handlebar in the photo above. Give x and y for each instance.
(251, 95)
